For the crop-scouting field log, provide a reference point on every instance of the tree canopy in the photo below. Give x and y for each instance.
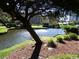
(23, 10)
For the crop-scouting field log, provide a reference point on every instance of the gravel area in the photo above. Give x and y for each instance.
(70, 47)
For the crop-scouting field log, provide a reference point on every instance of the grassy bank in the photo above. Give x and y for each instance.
(3, 29)
(38, 26)
(7, 51)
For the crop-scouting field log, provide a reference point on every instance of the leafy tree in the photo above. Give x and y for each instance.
(23, 10)
(30, 8)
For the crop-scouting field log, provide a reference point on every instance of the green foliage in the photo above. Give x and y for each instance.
(72, 23)
(78, 36)
(66, 37)
(67, 26)
(59, 39)
(55, 26)
(5, 16)
(70, 28)
(73, 36)
(3, 29)
(51, 43)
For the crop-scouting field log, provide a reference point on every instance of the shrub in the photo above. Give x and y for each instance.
(72, 23)
(67, 26)
(51, 43)
(56, 26)
(45, 25)
(73, 36)
(70, 28)
(74, 30)
(66, 37)
(60, 39)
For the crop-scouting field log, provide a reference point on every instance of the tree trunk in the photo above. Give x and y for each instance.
(27, 26)
(32, 32)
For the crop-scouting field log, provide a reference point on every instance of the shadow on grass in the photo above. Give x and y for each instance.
(36, 52)
(3, 33)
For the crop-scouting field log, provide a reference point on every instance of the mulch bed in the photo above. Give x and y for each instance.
(70, 47)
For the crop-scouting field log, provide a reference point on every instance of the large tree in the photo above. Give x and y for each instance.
(23, 10)
(33, 7)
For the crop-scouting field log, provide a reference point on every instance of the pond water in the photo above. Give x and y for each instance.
(17, 36)
(49, 32)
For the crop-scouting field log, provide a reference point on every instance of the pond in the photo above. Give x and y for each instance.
(17, 36)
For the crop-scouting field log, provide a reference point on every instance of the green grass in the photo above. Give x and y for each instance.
(3, 29)
(48, 38)
(65, 56)
(67, 26)
(7, 51)
(38, 26)
(78, 36)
